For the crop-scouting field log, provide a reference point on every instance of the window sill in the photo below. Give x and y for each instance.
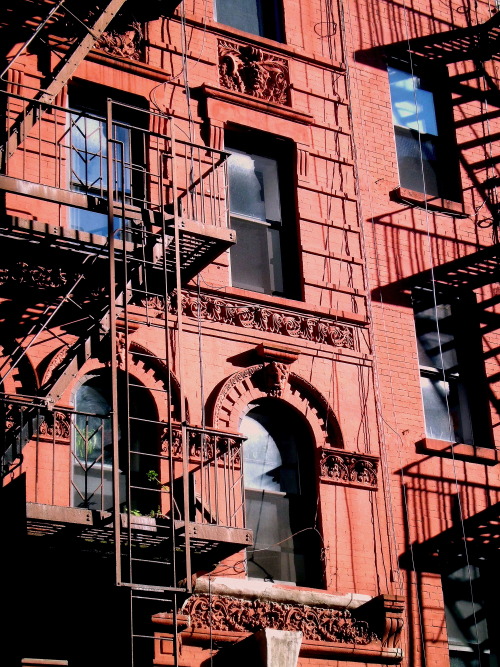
(483, 455)
(431, 202)
(249, 102)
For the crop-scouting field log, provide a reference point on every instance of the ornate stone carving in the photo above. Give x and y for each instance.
(275, 377)
(349, 468)
(250, 70)
(206, 446)
(125, 42)
(23, 274)
(394, 608)
(261, 318)
(59, 426)
(224, 613)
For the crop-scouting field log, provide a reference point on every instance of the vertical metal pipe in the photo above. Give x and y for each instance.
(171, 471)
(180, 370)
(112, 334)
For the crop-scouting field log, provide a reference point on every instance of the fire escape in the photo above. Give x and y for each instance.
(85, 479)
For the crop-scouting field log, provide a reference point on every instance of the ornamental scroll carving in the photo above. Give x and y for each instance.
(250, 70)
(261, 318)
(348, 468)
(224, 613)
(125, 42)
(204, 446)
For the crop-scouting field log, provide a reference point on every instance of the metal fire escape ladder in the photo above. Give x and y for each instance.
(61, 75)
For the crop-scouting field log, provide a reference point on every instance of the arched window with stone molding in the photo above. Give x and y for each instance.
(280, 495)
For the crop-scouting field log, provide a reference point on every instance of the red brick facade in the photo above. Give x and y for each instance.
(339, 349)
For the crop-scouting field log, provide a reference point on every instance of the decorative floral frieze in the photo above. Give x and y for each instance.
(262, 318)
(125, 42)
(204, 446)
(23, 274)
(349, 468)
(229, 614)
(250, 70)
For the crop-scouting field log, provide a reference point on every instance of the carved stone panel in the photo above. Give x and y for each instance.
(349, 469)
(250, 70)
(125, 42)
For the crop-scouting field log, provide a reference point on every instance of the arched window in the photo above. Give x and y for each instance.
(280, 495)
(92, 445)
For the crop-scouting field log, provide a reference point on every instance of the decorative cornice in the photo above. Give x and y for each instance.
(251, 70)
(348, 468)
(23, 274)
(229, 614)
(262, 318)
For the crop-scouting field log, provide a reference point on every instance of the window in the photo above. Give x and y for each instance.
(89, 153)
(258, 17)
(264, 256)
(466, 619)
(451, 368)
(280, 498)
(425, 145)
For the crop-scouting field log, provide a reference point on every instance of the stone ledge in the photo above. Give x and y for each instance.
(241, 99)
(483, 455)
(250, 589)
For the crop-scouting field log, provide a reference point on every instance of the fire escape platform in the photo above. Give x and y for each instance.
(93, 530)
(480, 41)
(199, 244)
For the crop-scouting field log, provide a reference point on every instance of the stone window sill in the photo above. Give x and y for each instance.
(452, 450)
(431, 202)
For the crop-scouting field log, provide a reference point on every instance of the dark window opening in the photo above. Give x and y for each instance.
(425, 145)
(467, 618)
(258, 17)
(280, 495)
(452, 374)
(264, 258)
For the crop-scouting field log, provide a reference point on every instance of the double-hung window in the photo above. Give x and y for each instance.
(264, 256)
(280, 498)
(88, 167)
(425, 146)
(451, 368)
(258, 17)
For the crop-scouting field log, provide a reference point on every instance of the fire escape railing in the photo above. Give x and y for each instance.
(67, 461)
